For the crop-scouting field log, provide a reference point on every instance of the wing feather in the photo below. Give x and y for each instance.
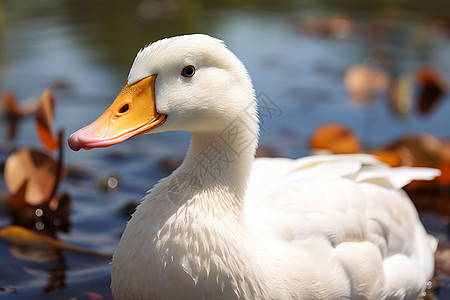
(342, 199)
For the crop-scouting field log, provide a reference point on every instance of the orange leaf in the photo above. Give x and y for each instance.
(428, 75)
(389, 157)
(44, 121)
(444, 179)
(9, 101)
(334, 138)
(34, 167)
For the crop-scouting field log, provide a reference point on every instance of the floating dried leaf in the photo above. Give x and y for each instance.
(15, 109)
(37, 169)
(424, 150)
(418, 150)
(16, 200)
(362, 81)
(334, 138)
(444, 179)
(389, 157)
(9, 101)
(18, 235)
(44, 121)
(432, 86)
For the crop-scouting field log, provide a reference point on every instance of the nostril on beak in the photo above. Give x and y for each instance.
(124, 109)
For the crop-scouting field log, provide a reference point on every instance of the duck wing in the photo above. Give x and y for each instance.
(345, 200)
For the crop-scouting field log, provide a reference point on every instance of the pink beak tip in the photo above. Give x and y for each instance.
(74, 142)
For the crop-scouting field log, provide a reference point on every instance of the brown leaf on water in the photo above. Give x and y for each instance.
(389, 157)
(419, 150)
(334, 138)
(424, 150)
(363, 81)
(432, 87)
(32, 178)
(444, 179)
(21, 236)
(13, 112)
(14, 108)
(37, 169)
(9, 102)
(16, 201)
(47, 217)
(12, 128)
(44, 121)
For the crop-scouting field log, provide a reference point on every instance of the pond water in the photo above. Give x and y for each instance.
(295, 60)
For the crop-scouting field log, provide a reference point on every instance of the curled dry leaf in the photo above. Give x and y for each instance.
(44, 121)
(14, 108)
(37, 169)
(32, 178)
(9, 102)
(334, 138)
(432, 87)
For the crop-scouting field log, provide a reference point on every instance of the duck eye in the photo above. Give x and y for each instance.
(188, 71)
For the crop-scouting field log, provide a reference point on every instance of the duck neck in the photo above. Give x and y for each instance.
(217, 167)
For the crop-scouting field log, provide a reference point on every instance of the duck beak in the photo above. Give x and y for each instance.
(131, 114)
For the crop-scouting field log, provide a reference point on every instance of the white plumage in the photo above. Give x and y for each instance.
(227, 226)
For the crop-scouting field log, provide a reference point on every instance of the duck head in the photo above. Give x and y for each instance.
(191, 82)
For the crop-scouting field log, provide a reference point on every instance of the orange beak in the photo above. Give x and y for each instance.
(131, 114)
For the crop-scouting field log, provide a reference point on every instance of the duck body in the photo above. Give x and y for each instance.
(339, 242)
(227, 226)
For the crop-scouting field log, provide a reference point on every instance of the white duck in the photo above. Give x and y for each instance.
(227, 226)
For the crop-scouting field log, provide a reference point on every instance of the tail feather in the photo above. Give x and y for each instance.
(397, 177)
